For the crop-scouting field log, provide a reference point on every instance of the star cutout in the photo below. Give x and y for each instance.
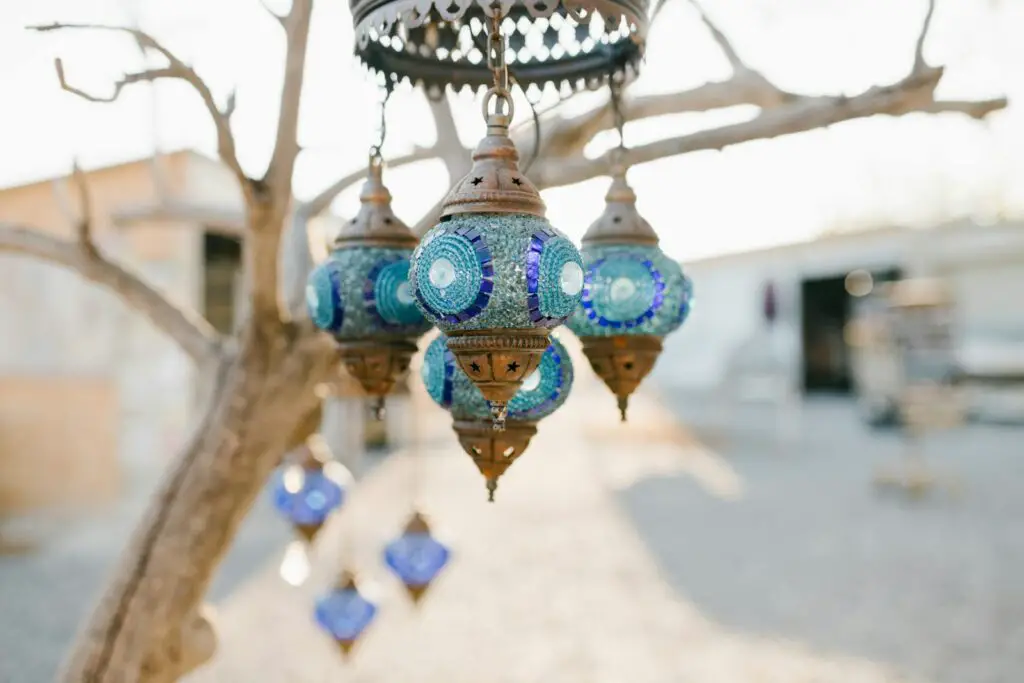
(517, 181)
(513, 366)
(477, 181)
(474, 366)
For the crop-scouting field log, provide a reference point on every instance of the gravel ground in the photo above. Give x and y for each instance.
(810, 551)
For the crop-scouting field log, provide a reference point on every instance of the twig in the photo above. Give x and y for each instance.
(175, 68)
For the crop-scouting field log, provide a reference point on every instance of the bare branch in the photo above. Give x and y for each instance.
(321, 202)
(919, 63)
(723, 43)
(147, 76)
(195, 336)
(912, 94)
(278, 178)
(175, 69)
(296, 264)
(85, 217)
(280, 18)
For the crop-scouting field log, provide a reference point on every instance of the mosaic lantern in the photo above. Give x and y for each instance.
(633, 295)
(344, 613)
(416, 557)
(494, 275)
(362, 296)
(493, 452)
(308, 490)
(553, 44)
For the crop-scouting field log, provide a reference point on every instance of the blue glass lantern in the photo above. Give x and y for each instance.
(416, 557)
(633, 295)
(494, 275)
(308, 490)
(541, 394)
(361, 293)
(344, 613)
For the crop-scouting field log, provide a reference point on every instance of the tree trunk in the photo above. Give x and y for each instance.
(148, 626)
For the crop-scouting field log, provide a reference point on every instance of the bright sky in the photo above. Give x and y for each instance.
(913, 170)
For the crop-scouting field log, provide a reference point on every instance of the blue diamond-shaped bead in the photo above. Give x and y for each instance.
(416, 558)
(344, 613)
(316, 498)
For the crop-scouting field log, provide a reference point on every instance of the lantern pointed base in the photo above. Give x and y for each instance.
(497, 361)
(376, 363)
(416, 592)
(494, 452)
(345, 647)
(308, 532)
(622, 362)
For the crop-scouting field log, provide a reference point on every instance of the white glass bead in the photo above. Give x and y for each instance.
(404, 293)
(572, 278)
(442, 273)
(533, 381)
(622, 289)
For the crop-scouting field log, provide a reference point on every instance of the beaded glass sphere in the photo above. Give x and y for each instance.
(486, 271)
(344, 613)
(685, 303)
(542, 392)
(362, 291)
(306, 496)
(629, 290)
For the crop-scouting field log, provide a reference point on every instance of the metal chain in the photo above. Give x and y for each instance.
(496, 51)
(376, 150)
(618, 154)
(499, 68)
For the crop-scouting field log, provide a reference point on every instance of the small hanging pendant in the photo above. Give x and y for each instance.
(344, 613)
(416, 557)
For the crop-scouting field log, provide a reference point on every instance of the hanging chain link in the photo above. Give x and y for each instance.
(376, 150)
(618, 155)
(499, 68)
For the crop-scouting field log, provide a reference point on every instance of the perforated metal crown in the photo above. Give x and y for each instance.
(564, 44)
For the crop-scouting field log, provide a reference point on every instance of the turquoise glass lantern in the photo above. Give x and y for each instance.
(540, 395)
(308, 489)
(633, 294)
(362, 295)
(494, 275)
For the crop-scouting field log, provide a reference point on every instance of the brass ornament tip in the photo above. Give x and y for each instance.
(623, 406)
(492, 486)
(308, 532)
(345, 647)
(378, 409)
(417, 592)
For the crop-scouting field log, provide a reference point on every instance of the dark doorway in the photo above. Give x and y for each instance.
(826, 308)
(222, 267)
(825, 311)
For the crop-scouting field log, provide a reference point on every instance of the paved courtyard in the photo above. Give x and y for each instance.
(685, 546)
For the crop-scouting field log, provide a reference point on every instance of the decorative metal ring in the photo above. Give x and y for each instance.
(501, 95)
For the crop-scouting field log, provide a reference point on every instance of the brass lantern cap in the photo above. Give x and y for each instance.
(622, 362)
(494, 184)
(494, 452)
(497, 361)
(375, 224)
(620, 223)
(376, 363)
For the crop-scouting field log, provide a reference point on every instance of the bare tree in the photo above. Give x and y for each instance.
(149, 625)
